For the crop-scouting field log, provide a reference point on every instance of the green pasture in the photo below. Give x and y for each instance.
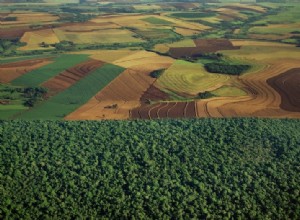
(154, 20)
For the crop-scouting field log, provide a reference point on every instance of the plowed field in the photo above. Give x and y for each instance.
(262, 100)
(117, 99)
(11, 71)
(165, 110)
(287, 85)
(67, 78)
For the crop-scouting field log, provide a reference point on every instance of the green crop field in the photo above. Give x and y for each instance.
(228, 91)
(67, 101)
(22, 58)
(287, 15)
(192, 15)
(40, 75)
(157, 33)
(154, 20)
(189, 78)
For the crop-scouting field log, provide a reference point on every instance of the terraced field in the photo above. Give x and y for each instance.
(189, 78)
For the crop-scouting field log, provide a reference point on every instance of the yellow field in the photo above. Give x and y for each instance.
(185, 24)
(34, 38)
(190, 78)
(31, 18)
(262, 51)
(229, 91)
(186, 31)
(164, 48)
(249, 7)
(213, 20)
(89, 27)
(147, 7)
(231, 13)
(135, 21)
(144, 60)
(99, 36)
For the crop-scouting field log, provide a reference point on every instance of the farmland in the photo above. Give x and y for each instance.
(40, 75)
(196, 48)
(67, 101)
(149, 109)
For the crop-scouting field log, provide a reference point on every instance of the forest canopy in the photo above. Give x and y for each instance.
(167, 169)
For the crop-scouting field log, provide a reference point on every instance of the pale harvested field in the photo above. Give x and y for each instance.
(147, 7)
(30, 18)
(33, 39)
(238, 6)
(98, 36)
(143, 58)
(89, 27)
(231, 13)
(186, 31)
(11, 71)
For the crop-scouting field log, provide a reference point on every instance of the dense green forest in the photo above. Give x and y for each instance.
(167, 169)
(231, 69)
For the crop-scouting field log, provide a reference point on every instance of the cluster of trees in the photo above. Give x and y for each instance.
(8, 47)
(9, 18)
(65, 45)
(205, 95)
(167, 169)
(29, 95)
(157, 73)
(33, 95)
(224, 68)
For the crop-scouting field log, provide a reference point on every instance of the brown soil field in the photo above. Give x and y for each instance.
(154, 94)
(287, 85)
(70, 76)
(183, 5)
(117, 99)
(203, 46)
(214, 43)
(11, 71)
(262, 99)
(12, 33)
(165, 110)
(246, 7)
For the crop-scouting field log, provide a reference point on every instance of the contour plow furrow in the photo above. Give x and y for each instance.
(153, 111)
(171, 106)
(177, 111)
(162, 111)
